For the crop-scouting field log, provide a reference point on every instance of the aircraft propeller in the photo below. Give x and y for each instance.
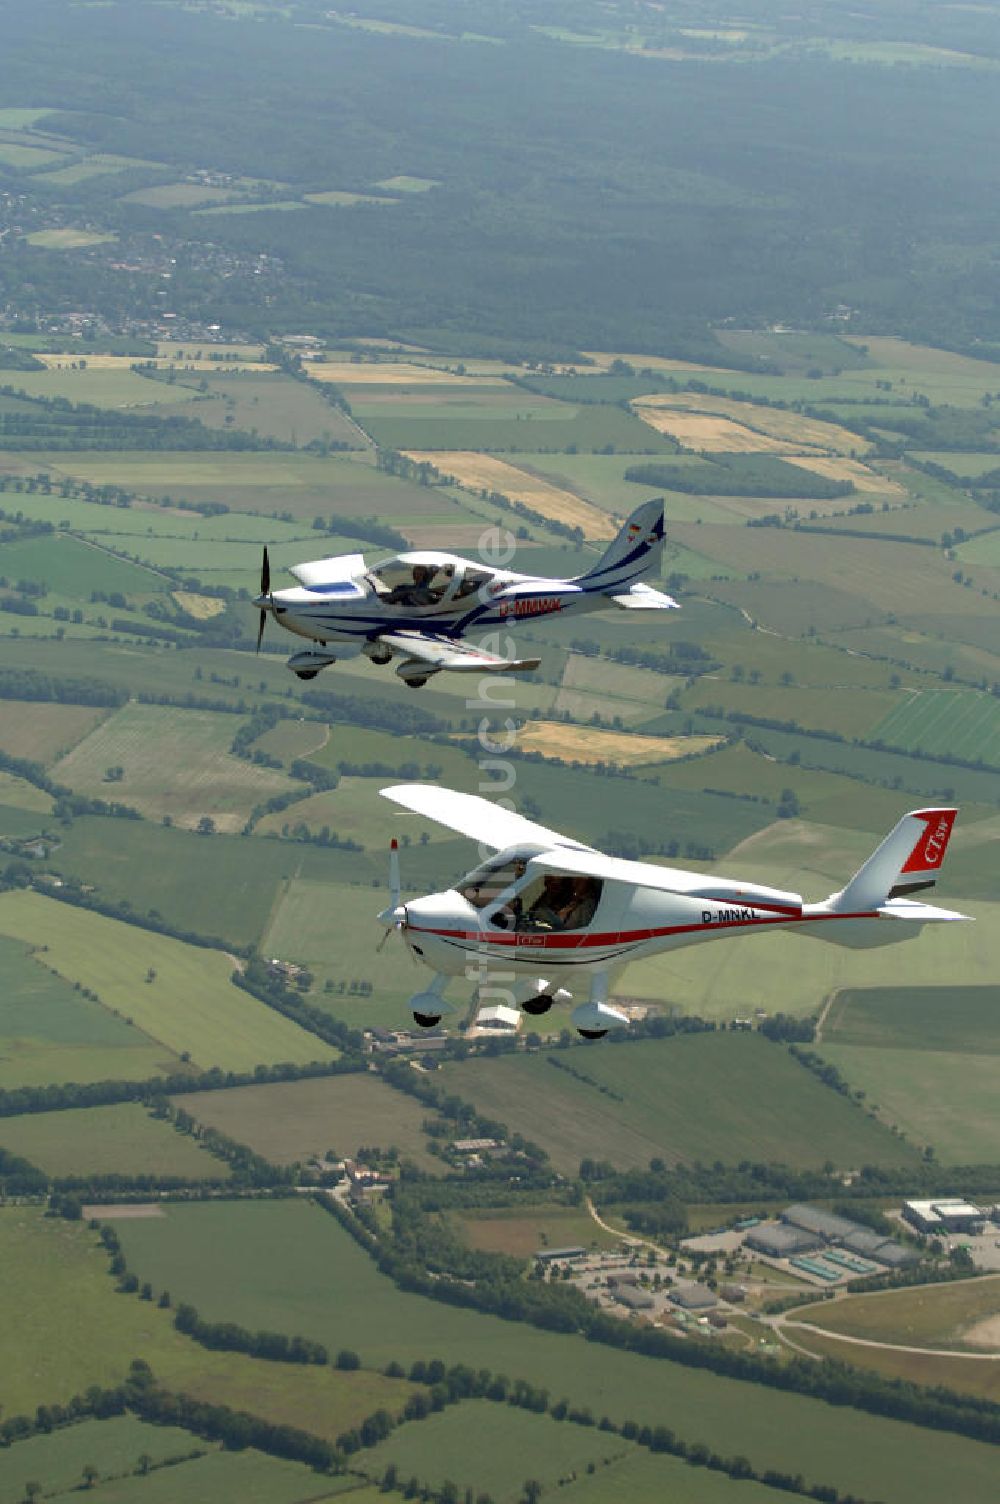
(394, 915)
(265, 589)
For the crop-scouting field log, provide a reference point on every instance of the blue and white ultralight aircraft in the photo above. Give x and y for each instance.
(420, 606)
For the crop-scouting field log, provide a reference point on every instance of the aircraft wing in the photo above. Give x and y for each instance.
(642, 597)
(333, 571)
(448, 653)
(479, 819)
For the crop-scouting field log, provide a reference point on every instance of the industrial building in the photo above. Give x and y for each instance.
(693, 1297)
(945, 1215)
(634, 1300)
(499, 1016)
(559, 1255)
(825, 1225)
(779, 1241)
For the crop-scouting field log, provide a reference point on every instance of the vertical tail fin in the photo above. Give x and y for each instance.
(636, 552)
(908, 860)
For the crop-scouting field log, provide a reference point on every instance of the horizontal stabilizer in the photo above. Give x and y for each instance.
(644, 598)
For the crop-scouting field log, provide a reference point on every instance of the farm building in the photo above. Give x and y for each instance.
(946, 1215)
(693, 1297)
(733, 1293)
(558, 1255)
(779, 1241)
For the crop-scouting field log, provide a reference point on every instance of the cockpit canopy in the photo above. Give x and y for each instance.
(426, 580)
(512, 895)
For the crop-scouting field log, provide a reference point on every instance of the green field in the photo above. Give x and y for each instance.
(72, 568)
(491, 1448)
(49, 1032)
(17, 793)
(67, 1328)
(113, 1446)
(758, 1094)
(588, 428)
(175, 762)
(151, 867)
(120, 1140)
(295, 1121)
(965, 1020)
(301, 485)
(274, 404)
(13, 154)
(118, 388)
(474, 1444)
(943, 1099)
(190, 1007)
(252, 1477)
(44, 732)
(929, 1316)
(946, 723)
(300, 1272)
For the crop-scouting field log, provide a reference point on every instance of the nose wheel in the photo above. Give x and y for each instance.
(426, 1020)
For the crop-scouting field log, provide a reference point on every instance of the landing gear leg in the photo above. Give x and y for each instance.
(593, 1019)
(428, 1007)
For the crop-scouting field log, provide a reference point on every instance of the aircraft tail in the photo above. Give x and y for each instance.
(635, 553)
(908, 860)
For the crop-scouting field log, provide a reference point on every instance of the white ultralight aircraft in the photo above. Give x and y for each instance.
(547, 910)
(420, 606)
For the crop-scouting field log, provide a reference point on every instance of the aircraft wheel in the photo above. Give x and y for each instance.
(381, 658)
(416, 683)
(536, 1006)
(591, 1033)
(306, 673)
(426, 1020)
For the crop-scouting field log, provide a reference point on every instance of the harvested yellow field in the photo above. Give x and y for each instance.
(201, 607)
(709, 434)
(589, 745)
(792, 428)
(482, 471)
(844, 469)
(390, 373)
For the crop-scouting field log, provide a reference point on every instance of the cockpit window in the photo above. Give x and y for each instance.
(471, 581)
(487, 882)
(399, 583)
(555, 902)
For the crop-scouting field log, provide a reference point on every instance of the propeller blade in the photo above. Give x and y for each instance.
(260, 629)
(265, 574)
(394, 878)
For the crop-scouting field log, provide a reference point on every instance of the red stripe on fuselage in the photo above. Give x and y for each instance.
(541, 940)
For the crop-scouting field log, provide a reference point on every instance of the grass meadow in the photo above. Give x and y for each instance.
(190, 1008)
(113, 1446)
(523, 1231)
(944, 1099)
(175, 762)
(50, 1032)
(67, 1328)
(648, 1098)
(69, 567)
(962, 1019)
(944, 1316)
(294, 1121)
(252, 1477)
(965, 1375)
(44, 732)
(300, 1272)
(297, 484)
(120, 1140)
